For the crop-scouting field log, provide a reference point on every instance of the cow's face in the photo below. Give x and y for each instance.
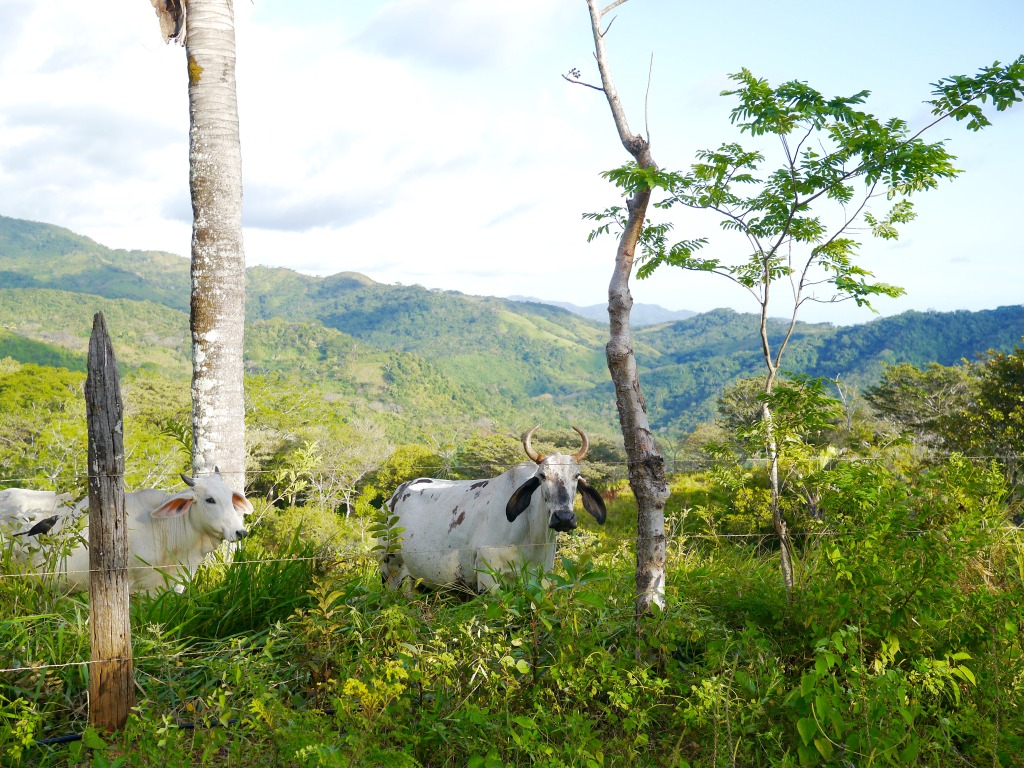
(557, 479)
(558, 476)
(213, 508)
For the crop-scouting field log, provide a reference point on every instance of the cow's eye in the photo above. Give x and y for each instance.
(210, 500)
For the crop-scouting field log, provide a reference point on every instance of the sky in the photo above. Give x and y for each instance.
(437, 143)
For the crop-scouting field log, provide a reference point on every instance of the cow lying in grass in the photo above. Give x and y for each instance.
(169, 535)
(25, 512)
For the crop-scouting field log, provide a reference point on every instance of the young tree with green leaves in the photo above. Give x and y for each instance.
(927, 405)
(797, 218)
(997, 415)
(976, 409)
(646, 464)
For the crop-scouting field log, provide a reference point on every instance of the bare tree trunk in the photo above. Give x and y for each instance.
(772, 445)
(218, 261)
(778, 520)
(111, 681)
(645, 463)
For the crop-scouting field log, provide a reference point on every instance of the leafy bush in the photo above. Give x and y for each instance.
(902, 646)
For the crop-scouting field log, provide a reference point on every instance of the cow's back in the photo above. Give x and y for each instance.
(449, 525)
(24, 505)
(20, 510)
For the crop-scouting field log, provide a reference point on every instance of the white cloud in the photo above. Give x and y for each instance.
(457, 35)
(436, 143)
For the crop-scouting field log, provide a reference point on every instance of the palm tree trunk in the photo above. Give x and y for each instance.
(218, 261)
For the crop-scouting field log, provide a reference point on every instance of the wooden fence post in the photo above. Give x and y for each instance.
(111, 681)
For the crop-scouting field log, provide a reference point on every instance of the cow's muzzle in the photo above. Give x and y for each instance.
(563, 521)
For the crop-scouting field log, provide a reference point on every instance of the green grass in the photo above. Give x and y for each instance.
(308, 661)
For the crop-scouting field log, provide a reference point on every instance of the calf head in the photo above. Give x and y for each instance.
(557, 479)
(219, 511)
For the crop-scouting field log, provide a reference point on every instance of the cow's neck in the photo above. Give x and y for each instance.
(185, 546)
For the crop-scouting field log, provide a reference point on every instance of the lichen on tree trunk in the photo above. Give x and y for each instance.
(218, 259)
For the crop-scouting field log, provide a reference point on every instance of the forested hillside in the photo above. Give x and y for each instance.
(905, 617)
(34, 255)
(504, 360)
(918, 338)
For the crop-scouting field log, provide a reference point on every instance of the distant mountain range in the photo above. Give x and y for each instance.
(403, 354)
(640, 315)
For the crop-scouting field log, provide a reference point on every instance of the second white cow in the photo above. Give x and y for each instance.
(25, 513)
(169, 535)
(458, 532)
(21, 508)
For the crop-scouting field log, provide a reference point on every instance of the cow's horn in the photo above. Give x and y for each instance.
(536, 457)
(582, 452)
(188, 481)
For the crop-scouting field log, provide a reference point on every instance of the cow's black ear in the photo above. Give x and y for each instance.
(592, 501)
(521, 498)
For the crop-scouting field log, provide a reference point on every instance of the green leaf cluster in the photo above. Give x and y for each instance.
(835, 159)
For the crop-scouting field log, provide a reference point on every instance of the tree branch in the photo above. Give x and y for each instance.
(611, 7)
(635, 145)
(647, 96)
(580, 82)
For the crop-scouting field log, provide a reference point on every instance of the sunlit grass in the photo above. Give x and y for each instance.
(293, 653)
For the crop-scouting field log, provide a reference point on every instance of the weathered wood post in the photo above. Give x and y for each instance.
(111, 682)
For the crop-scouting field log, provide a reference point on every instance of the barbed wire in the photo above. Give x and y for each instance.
(361, 556)
(170, 657)
(377, 550)
(79, 477)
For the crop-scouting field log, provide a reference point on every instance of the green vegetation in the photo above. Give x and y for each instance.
(144, 334)
(900, 645)
(512, 363)
(17, 347)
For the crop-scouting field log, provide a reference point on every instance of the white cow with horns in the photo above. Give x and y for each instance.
(457, 532)
(169, 535)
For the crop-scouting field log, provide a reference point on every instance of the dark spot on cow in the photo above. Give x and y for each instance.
(481, 484)
(424, 480)
(406, 496)
(457, 522)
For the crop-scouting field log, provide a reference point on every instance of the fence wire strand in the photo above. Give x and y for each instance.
(356, 556)
(353, 556)
(77, 478)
